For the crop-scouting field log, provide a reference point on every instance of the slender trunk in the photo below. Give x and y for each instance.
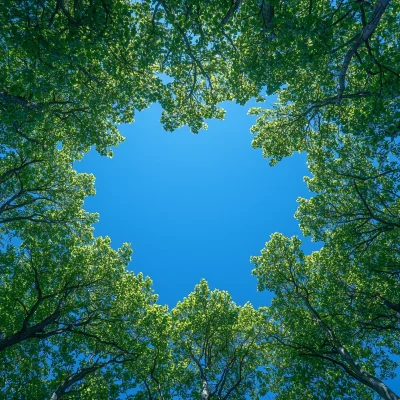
(205, 392)
(355, 370)
(378, 386)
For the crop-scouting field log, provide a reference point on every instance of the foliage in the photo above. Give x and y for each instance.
(334, 323)
(68, 305)
(335, 312)
(356, 196)
(215, 350)
(74, 323)
(41, 187)
(72, 71)
(339, 76)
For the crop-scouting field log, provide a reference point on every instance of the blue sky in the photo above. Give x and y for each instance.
(195, 206)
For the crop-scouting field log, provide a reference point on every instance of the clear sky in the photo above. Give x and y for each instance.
(195, 206)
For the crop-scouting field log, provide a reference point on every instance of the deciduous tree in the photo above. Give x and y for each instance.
(213, 349)
(71, 315)
(334, 322)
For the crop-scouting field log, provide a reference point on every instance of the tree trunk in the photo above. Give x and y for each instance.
(205, 392)
(379, 387)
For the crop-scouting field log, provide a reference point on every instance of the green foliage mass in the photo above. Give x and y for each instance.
(334, 322)
(75, 323)
(212, 349)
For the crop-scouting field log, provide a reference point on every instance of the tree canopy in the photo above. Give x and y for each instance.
(212, 349)
(76, 322)
(334, 322)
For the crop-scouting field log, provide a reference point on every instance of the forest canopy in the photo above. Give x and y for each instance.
(76, 322)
